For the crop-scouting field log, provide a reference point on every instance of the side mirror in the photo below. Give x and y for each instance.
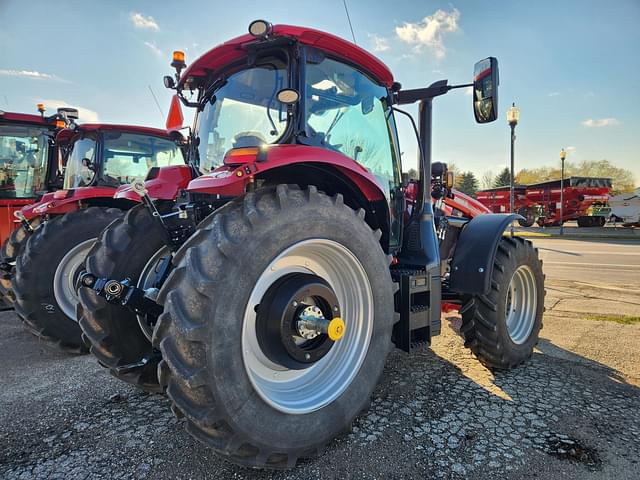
(169, 82)
(69, 112)
(88, 164)
(485, 90)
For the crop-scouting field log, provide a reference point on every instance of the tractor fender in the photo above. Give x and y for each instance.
(233, 179)
(162, 183)
(472, 262)
(65, 201)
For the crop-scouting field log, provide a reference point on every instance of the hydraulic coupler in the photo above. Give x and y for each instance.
(121, 292)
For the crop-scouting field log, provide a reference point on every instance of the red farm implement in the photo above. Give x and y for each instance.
(585, 200)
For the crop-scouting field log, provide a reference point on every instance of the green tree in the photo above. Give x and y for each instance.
(467, 183)
(621, 178)
(413, 174)
(503, 179)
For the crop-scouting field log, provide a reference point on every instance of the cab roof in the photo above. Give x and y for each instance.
(15, 117)
(232, 50)
(67, 134)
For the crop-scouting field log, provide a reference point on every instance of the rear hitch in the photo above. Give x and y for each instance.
(122, 293)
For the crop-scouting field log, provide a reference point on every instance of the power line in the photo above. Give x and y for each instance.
(156, 100)
(344, 2)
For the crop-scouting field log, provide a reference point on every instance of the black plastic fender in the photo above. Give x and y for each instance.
(472, 263)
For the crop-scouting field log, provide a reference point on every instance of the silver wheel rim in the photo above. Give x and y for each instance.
(307, 390)
(147, 277)
(64, 288)
(521, 304)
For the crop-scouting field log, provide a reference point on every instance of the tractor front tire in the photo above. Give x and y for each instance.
(220, 362)
(46, 271)
(11, 249)
(502, 327)
(123, 250)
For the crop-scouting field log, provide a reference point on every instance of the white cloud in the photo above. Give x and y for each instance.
(86, 115)
(28, 74)
(140, 21)
(154, 48)
(468, 91)
(380, 44)
(429, 32)
(600, 122)
(571, 149)
(553, 94)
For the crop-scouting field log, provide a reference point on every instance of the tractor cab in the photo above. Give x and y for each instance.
(29, 160)
(283, 106)
(100, 158)
(113, 155)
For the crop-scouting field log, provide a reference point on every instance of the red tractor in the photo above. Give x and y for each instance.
(98, 159)
(29, 167)
(269, 289)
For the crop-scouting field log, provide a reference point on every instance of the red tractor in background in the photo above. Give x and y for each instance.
(30, 166)
(264, 294)
(98, 159)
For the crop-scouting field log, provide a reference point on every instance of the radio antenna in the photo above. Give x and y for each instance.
(353, 35)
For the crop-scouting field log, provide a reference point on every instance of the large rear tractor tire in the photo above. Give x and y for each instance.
(502, 327)
(46, 272)
(235, 362)
(131, 247)
(11, 249)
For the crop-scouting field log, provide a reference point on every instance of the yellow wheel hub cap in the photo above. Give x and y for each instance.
(336, 329)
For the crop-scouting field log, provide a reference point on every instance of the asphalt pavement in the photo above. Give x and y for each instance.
(606, 261)
(570, 412)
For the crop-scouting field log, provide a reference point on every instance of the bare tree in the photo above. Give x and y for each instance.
(487, 179)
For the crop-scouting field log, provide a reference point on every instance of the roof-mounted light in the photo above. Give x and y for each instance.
(260, 28)
(178, 61)
(41, 108)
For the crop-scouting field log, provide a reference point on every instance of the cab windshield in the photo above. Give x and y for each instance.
(128, 156)
(244, 112)
(125, 157)
(24, 152)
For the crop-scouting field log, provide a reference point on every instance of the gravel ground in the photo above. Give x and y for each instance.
(438, 414)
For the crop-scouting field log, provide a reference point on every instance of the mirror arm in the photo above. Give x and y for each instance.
(466, 85)
(411, 96)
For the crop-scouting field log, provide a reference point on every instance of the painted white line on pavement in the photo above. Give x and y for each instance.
(616, 265)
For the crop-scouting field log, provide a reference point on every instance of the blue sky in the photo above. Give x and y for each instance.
(572, 67)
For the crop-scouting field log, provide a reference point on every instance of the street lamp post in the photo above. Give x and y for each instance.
(513, 115)
(563, 155)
